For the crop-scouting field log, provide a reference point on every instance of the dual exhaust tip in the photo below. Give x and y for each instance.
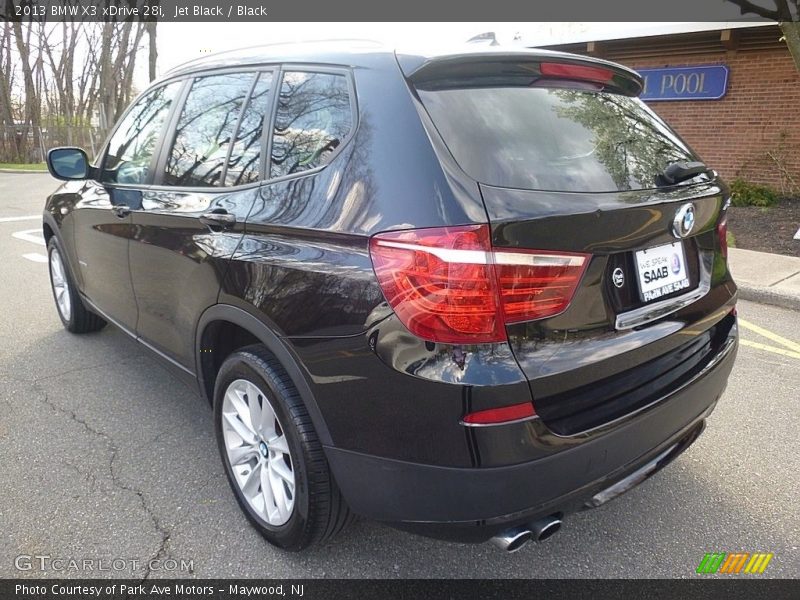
(515, 538)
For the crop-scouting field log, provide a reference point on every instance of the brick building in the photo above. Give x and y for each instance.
(753, 130)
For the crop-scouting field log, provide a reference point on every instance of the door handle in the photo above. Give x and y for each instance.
(221, 220)
(121, 210)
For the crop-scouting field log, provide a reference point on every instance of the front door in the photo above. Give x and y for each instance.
(191, 221)
(103, 226)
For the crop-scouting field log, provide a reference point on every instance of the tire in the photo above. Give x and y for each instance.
(318, 510)
(71, 309)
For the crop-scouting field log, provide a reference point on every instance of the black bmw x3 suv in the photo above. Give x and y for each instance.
(464, 294)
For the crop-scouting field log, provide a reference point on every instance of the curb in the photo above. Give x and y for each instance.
(765, 295)
(23, 171)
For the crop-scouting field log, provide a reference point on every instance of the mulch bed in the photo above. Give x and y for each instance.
(767, 229)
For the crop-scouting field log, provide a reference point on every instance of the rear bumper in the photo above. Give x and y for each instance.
(473, 504)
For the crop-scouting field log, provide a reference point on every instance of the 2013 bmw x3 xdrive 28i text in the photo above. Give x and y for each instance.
(465, 294)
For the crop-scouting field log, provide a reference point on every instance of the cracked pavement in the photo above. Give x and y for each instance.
(104, 455)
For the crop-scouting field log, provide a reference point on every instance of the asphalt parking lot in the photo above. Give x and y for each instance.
(104, 455)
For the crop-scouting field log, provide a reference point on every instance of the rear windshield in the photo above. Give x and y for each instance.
(554, 139)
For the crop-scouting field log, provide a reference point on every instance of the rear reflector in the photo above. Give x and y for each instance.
(577, 72)
(448, 285)
(722, 234)
(504, 414)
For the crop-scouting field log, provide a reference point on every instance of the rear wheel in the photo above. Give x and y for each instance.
(71, 309)
(272, 455)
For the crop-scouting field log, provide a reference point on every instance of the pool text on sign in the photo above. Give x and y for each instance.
(701, 82)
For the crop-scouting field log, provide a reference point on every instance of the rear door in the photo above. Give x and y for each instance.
(570, 162)
(192, 219)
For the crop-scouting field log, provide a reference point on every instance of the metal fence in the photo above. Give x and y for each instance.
(26, 144)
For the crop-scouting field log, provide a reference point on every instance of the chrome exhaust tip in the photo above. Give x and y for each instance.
(513, 539)
(545, 528)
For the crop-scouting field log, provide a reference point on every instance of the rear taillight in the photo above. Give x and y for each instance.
(448, 285)
(440, 282)
(722, 233)
(534, 284)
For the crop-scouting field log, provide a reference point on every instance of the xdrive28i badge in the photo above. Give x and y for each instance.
(683, 223)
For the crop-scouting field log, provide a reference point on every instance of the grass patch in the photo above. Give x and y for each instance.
(24, 166)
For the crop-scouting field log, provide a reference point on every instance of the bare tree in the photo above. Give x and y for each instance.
(6, 76)
(152, 50)
(786, 13)
(32, 107)
(115, 64)
(62, 78)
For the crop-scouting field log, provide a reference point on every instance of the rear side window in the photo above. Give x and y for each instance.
(135, 139)
(313, 118)
(205, 130)
(557, 139)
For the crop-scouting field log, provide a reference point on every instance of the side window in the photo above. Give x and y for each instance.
(244, 165)
(134, 141)
(313, 118)
(205, 129)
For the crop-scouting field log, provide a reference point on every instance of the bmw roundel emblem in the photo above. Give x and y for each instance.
(683, 223)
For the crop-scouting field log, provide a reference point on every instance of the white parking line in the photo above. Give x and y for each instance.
(35, 257)
(34, 236)
(13, 219)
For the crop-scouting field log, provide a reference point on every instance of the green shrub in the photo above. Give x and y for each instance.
(752, 194)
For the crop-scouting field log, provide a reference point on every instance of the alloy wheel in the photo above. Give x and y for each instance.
(60, 284)
(258, 452)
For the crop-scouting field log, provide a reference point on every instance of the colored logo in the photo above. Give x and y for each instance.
(683, 223)
(734, 563)
(676, 264)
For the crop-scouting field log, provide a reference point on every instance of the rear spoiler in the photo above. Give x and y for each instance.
(523, 68)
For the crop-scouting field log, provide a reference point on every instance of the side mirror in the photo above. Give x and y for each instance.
(68, 163)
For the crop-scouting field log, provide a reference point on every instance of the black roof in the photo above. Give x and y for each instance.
(332, 52)
(363, 53)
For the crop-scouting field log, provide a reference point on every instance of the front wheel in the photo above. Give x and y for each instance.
(272, 455)
(71, 309)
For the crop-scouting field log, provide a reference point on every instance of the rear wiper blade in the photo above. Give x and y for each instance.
(680, 171)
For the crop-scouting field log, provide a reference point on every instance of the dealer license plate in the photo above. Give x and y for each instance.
(662, 271)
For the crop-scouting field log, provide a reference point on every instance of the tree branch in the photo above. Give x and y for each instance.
(745, 6)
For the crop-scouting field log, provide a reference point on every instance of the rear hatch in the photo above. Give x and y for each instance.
(569, 160)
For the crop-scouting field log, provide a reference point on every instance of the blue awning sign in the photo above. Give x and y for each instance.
(702, 82)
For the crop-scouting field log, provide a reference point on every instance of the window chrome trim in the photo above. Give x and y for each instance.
(651, 312)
